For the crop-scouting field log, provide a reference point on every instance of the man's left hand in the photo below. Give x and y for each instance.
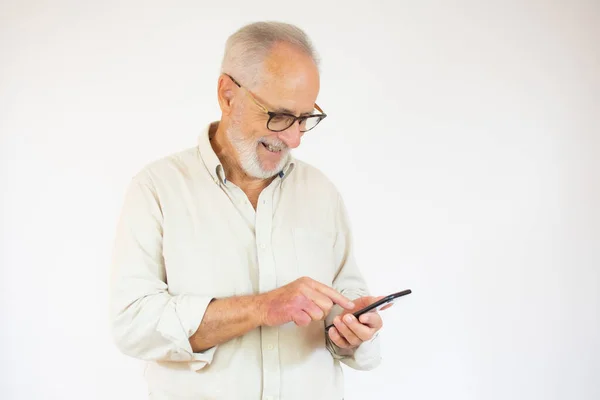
(349, 332)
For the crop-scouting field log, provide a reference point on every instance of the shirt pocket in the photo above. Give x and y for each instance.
(314, 254)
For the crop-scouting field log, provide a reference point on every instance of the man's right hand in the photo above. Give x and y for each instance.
(301, 301)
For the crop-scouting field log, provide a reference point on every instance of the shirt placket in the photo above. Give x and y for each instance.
(267, 282)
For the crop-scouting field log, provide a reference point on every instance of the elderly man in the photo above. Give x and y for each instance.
(232, 256)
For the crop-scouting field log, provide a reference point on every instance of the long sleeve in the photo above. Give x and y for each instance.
(147, 321)
(350, 282)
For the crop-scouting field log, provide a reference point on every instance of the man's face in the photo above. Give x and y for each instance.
(290, 84)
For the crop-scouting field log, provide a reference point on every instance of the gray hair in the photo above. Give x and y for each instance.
(247, 48)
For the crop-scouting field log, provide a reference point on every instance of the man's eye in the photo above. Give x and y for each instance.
(280, 118)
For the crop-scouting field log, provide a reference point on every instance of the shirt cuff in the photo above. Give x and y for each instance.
(366, 356)
(180, 320)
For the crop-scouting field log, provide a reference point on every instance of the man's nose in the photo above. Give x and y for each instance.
(291, 136)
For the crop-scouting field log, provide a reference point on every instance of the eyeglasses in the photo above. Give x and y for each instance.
(279, 122)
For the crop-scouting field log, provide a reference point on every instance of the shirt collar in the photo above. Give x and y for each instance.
(213, 164)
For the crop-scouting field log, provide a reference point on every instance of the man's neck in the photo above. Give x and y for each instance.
(231, 166)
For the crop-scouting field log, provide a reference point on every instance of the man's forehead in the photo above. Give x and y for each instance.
(288, 102)
(291, 90)
(283, 58)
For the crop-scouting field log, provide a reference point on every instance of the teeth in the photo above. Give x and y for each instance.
(271, 148)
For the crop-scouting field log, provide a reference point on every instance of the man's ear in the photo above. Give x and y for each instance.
(225, 94)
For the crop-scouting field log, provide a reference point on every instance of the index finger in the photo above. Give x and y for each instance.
(335, 296)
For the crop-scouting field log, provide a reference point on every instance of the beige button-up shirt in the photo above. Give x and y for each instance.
(187, 235)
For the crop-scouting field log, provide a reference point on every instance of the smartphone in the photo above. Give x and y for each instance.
(378, 305)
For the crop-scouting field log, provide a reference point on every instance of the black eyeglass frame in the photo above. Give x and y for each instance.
(272, 114)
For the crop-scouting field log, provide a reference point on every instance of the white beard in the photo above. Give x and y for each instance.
(248, 154)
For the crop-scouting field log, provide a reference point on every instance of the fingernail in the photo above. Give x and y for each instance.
(348, 318)
(350, 304)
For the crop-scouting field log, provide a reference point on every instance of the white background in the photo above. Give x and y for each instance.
(465, 138)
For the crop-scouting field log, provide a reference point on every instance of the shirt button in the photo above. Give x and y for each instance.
(270, 347)
(263, 246)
